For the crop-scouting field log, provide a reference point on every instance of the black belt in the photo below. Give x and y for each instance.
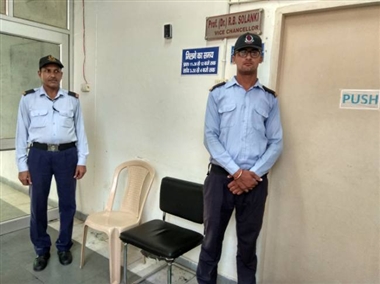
(221, 171)
(52, 147)
(218, 170)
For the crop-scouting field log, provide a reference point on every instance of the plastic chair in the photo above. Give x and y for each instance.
(139, 179)
(162, 240)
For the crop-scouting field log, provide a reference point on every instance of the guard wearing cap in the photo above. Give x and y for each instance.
(243, 135)
(50, 123)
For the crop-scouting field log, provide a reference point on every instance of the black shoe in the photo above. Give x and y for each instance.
(65, 257)
(41, 262)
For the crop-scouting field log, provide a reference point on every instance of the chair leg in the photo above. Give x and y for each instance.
(85, 228)
(125, 262)
(170, 264)
(114, 257)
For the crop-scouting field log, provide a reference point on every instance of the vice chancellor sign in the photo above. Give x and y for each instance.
(234, 24)
(200, 61)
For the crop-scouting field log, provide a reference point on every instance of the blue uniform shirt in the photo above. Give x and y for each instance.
(41, 119)
(243, 128)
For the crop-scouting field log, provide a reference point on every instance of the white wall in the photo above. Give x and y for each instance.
(140, 105)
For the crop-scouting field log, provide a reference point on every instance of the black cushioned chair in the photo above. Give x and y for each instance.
(163, 240)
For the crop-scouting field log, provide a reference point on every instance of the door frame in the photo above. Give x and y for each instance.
(40, 34)
(34, 31)
(305, 8)
(275, 67)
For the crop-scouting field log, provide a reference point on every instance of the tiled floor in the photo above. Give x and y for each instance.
(96, 241)
(14, 198)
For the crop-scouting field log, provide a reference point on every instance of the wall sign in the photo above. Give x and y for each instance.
(233, 25)
(359, 99)
(200, 61)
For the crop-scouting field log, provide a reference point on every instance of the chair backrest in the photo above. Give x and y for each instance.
(182, 198)
(139, 179)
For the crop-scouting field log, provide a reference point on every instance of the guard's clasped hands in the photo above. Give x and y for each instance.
(243, 182)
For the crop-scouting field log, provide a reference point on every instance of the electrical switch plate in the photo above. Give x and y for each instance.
(168, 31)
(85, 87)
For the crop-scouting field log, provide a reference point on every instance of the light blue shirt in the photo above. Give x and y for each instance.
(41, 119)
(243, 128)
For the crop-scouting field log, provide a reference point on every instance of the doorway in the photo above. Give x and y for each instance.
(323, 208)
(21, 48)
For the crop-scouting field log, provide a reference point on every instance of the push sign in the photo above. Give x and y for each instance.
(360, 99)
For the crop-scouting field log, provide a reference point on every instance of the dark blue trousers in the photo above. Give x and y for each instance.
(43, 165)
(219, 204)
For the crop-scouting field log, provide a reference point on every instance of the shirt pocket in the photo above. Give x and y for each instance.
(38, 118)
(260, 115)
(227, 115)
(67, 118)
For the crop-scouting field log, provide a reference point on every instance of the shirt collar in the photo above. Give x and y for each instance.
(233, 82)
(43, 92)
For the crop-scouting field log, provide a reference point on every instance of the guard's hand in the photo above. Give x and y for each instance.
(243, 182)
(80, 171)
(255, 176)
(235, 188)
(24, 177)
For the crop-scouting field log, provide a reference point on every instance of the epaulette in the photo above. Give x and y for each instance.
(218, 85)
(270, 91)
(31, 91)
(73, 94)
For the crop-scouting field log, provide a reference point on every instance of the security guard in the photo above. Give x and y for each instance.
(243, 136)
(50, 122)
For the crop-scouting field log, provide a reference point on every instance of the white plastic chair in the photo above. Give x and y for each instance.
(140, 177)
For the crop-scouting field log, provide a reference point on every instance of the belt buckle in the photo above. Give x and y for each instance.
(52, 147)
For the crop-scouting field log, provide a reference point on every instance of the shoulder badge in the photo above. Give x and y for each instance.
(270, 91)
(218, 85)
(31, 91)
(73, 94)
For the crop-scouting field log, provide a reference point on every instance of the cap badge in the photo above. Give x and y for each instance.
(51, 58)
(249, 39)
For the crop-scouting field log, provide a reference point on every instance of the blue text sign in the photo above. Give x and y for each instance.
(359, 99)
(200, 61)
